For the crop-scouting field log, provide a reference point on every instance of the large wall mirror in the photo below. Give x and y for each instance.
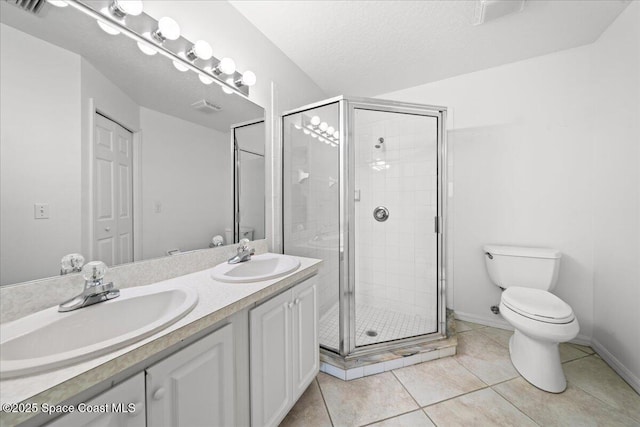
(108, 152)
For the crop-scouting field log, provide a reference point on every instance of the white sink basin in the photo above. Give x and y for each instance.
(260, 267)
(49, 340)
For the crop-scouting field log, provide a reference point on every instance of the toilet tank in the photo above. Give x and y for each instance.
(521, 266)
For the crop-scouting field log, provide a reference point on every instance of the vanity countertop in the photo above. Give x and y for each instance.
(217, 301)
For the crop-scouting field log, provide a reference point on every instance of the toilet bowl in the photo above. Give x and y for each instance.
(540, 325)
(541, 320)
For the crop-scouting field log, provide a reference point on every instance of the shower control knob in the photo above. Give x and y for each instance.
(381, 214)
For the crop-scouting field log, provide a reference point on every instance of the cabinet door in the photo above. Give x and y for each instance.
(195, 386)
(306, 349)
(120, 406)
(270, 355)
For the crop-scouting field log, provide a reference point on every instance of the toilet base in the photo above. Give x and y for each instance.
(538, 362)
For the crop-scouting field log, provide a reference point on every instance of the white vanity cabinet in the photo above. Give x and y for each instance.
(120, 406)
(284, 356)
(195, 386)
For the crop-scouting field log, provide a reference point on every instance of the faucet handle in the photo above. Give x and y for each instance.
(243, 245)
(94, 271)
(71, 263)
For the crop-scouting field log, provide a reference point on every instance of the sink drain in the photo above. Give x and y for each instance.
(372, 333)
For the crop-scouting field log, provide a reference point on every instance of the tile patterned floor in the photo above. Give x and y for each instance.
(389, 325)
(477, 387)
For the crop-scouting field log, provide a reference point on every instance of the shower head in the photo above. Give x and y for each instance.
(380, 142)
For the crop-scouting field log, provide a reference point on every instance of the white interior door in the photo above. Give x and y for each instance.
(112, 192)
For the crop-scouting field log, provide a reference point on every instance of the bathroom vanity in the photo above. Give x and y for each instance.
(242, 356)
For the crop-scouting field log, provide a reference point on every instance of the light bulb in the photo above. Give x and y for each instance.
(248, 78)
(330, 130)
(336, 134)
(226, 66)
(145, 48)
(200, 49)
(168, 29)
(323, 126)
(205, 79)
(58, 3)
(227, 90)
(315, 120)
(130, 7)
(108, 28)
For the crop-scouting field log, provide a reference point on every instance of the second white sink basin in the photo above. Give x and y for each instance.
(261, 267)
(48, 339)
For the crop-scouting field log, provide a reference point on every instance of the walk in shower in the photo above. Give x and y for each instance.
(362, 190)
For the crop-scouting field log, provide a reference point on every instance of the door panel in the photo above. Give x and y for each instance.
(306, 354)
(113, 192)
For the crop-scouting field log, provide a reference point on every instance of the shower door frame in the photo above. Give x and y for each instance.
(346, 206)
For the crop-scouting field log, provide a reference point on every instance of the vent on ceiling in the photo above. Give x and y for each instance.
(32, 6)
(206, 107)
(488, 10)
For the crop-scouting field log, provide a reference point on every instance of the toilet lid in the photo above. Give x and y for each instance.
(538, 305)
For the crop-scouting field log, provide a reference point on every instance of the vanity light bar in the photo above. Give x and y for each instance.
(319, 129)
(228, 85)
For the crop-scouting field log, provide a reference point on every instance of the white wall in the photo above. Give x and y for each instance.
(185, 172)
(616, 226)
(546, 153)
(40, 155)
(521, 146)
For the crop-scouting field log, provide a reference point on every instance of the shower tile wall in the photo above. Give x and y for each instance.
(396, 261)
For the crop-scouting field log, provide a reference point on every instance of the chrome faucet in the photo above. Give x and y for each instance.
(95, 290)
(244, 252)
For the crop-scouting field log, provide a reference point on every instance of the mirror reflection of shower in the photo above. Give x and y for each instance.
(380, 143)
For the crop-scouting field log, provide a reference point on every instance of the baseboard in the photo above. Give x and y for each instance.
(617, 366)
(497, 321)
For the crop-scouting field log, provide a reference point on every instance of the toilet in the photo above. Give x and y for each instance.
(541, 320)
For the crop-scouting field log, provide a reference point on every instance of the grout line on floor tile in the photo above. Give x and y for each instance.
(405, 389)
(425, 412)
(597, 398)
(324, 401)
(392, 417)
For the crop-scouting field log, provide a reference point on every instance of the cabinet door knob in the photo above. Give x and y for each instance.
(297, 301)
(107, 229)
(138, 409)
(290, 305)
(159, 394)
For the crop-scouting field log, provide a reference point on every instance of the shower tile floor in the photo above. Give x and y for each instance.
(387, 324)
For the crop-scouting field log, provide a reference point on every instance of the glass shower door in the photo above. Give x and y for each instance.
(395, 162)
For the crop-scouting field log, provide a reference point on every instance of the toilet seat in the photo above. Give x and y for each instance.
(538, 305)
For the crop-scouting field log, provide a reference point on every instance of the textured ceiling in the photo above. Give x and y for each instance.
(366, 48)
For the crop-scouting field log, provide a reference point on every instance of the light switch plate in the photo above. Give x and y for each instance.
(41, 210)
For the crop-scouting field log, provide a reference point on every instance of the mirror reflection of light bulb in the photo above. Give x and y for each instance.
(226, 89)
(306, 131)
(180, 66)
(330, 130)
(324, 126)
(205, 79)
(107, 28)
(315, 120)
(145, 48)
(58, 3)
(336, 134)
(313, 135)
